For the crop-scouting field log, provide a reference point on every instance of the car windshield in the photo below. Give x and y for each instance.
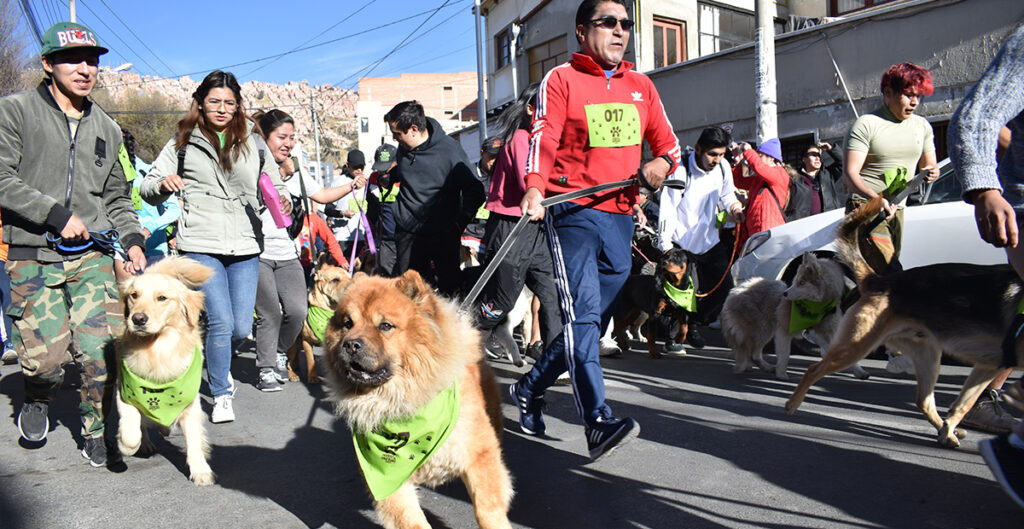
(945, 189)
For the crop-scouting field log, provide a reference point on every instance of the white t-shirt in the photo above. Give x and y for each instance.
(276, 243)
(687, 218)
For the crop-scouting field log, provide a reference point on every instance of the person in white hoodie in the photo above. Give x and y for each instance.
(691, 219)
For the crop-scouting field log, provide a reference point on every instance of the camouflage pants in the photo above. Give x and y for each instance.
(56, 305)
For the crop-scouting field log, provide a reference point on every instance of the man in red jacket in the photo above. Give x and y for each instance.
(591, 117)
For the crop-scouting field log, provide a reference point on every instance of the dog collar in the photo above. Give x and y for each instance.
(317, 318)
(396, 448)
(685, 298)
(806, 314)
(163, 402)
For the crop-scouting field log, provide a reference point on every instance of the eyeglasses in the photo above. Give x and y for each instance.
(609, 22)
(229, 104)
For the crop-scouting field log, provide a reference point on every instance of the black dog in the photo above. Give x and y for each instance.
(650, 294)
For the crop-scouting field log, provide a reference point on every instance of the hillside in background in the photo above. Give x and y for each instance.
(150, 107)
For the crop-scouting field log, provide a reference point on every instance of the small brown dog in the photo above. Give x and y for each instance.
(161, 361)
(328, 282)
(647, 294)
(408, 374)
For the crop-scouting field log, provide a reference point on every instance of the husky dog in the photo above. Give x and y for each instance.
(964, 310)
(759, 310)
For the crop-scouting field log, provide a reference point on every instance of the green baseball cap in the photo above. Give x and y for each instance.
(67, 35)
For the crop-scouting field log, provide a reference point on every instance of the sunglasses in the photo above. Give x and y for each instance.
(609, 22)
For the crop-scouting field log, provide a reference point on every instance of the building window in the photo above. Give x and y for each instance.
(843, 7)
(669, 41)
(503, 48)
(722, 28)
(546, 56)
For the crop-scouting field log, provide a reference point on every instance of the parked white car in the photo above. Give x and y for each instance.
(939, 228)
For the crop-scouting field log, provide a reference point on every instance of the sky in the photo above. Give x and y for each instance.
(346, 38)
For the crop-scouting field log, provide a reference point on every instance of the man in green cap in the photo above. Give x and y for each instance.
(64, 194)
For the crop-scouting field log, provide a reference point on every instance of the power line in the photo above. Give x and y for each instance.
(276, 55)
(169, 69)
(112, 49)
(116, 34)
(336, 24)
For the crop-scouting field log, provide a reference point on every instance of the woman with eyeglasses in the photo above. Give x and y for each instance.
(281, 291)
(213, 163)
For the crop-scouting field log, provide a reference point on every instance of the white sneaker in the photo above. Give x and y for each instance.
(608, 347)
(899, 363)
(222, 410)
(563, 379)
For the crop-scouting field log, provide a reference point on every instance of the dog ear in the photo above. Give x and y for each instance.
(123, 290)
(413, 286)
(188, 271)
(192, 305)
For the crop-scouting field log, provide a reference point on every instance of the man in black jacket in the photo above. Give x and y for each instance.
(822, 173)
(440, 196)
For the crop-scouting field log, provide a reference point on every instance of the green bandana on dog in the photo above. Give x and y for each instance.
(395, 449)
(685, 298)
(806, 314)
(162, 402)
(317, 319)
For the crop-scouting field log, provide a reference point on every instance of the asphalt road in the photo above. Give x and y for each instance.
(716, 450)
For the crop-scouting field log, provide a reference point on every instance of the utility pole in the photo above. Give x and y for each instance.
(71, 8)
(316, 134)
(767, 100)
(481, 103)
(516, 28)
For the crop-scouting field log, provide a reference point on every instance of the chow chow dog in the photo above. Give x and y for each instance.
(759, 310)
(964, 310)
(647, 294)
(397, 353)
(160, 361)
(328, 282)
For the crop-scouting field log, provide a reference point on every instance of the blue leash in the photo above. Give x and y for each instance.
(103, 240)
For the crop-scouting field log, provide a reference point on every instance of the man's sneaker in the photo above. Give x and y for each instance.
(268, 380)
(899, 363)
(33, 422)
(988, 416)
(222, 410)
(95, 450)
(535, 349)
(563, 380)
(281, 369)
(610, 433)
(607, 347)
(674, 348)
(9, 357)
(531, 409)
(1007, 465)
(694, 339)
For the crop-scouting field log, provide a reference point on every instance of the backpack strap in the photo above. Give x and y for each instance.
(775, 198)
(181, 160)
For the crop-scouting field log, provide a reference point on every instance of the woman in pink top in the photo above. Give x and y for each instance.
(529, 260)
(767, 188)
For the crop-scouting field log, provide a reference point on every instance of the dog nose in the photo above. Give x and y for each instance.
(139, 318)
(352, 346)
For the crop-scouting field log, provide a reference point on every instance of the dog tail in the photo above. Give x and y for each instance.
(848, 234)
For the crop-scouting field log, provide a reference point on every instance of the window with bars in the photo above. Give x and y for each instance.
(844, 7)
(669, 41)
(546, 56)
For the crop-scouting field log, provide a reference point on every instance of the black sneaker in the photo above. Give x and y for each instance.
(1007, 465)
(95, 450)
(268, 381)
(531, 409)
(33, 422)
(694, 339)
(609, 434)
(535, 350)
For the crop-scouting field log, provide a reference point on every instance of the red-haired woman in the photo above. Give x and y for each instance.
(220, 222)
(883, 150)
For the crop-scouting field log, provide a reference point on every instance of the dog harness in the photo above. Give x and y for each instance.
(806, 314)
(685, 298)
(317, 318)
(163, 402)
(396, 448)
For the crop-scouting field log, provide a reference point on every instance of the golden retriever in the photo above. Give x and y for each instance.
(161, 344)
(393, 349)
(323, 298)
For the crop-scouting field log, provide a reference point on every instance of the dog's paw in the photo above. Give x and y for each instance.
(314, 378)
(146, 449)
(781, 374)
(292, 376)
(861, 373)
(948, 438)
(791, 406)
(202, 479)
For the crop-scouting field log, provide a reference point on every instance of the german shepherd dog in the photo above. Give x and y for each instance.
(645, 294)
(758, 311)
(964, 310)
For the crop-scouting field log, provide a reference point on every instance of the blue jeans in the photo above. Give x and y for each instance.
(591, 252)
(230, 298)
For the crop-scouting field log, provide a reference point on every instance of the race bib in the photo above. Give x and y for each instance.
(613, 125)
